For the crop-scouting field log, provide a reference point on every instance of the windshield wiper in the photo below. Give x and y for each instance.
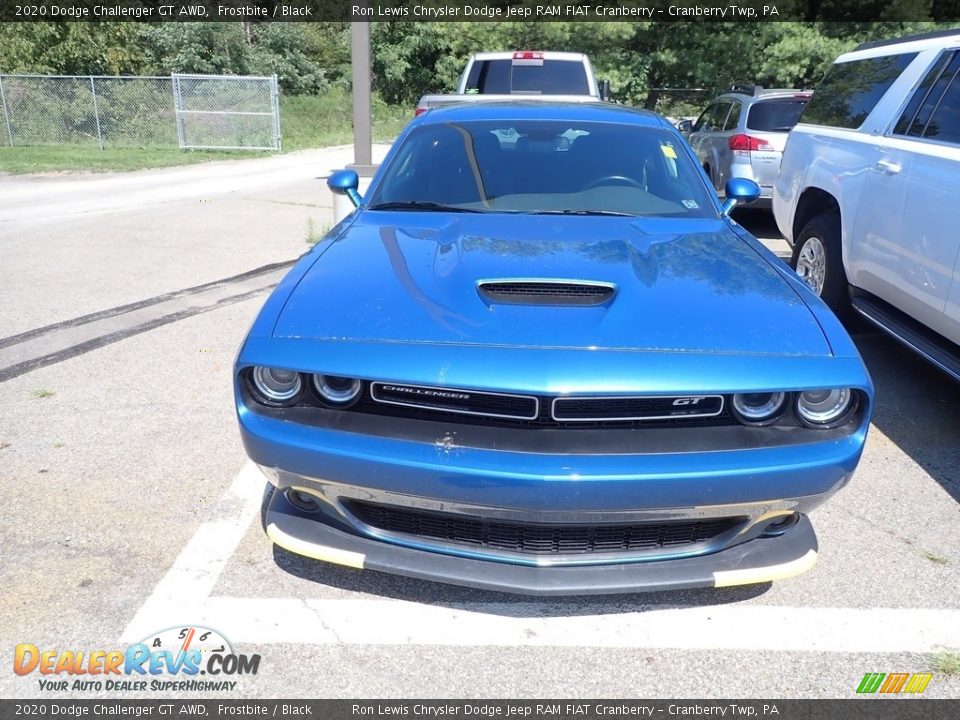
(611, 213)
(421, 205)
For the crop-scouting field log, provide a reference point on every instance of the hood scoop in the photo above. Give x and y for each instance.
(545, 292)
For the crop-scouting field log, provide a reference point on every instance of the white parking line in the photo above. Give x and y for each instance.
(723, 627)
(180, 595)
(183, 597)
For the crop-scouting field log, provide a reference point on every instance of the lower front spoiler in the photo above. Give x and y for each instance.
(761, 560)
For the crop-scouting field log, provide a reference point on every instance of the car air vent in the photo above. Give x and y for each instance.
(546, 292)
(542, 539)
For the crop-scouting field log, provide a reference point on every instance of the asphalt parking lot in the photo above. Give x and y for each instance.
(127, 506)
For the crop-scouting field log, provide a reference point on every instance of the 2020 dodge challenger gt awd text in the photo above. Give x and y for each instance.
(540, 357)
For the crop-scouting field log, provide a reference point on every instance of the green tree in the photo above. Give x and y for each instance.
(330, 44)
(70, 48)
(195, 48)
(405, 59)
(287, 51)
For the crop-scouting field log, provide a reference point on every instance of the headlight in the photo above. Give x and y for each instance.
(825, 408)
(758, 408)
(276, 387)
(336, 390)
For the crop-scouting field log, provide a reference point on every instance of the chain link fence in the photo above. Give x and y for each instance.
(185, 111)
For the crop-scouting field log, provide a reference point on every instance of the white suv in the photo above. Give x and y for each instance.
(869, 191)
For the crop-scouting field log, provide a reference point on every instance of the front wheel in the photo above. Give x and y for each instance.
(818, 260)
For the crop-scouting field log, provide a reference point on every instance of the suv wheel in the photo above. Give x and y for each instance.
(819, 263)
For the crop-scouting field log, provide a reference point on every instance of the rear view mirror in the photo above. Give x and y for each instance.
(740, 191)
(345, 182)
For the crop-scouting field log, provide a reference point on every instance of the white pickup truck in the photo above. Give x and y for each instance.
(526, 75)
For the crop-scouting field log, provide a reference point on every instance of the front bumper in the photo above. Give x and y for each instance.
(757, 486)
(541, 485)
(761, 560)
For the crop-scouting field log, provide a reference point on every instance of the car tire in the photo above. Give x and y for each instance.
(818, 260)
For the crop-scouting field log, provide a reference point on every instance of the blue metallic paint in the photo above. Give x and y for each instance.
(740, 191)
(345, 182)
(411, 277)
(701, 307)
(554, 483)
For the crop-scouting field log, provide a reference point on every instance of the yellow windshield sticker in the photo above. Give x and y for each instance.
(669, 152)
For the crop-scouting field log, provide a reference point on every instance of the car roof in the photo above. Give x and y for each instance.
(909, 43)
(933, 38)
(763, 94)
(542, 110)
(547, 55)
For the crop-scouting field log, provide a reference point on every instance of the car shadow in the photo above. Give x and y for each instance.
(916, 405)
(758, 222)
(396, 587)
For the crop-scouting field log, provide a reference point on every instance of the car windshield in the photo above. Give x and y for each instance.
(543, 167)
(775, 115)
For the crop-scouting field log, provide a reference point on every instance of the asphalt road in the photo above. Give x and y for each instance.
(127, 506)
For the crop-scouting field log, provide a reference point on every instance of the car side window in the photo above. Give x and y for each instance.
(851, 90)
(703, 120)
(733, 119)
(719, 116)
(944, 123)
(937, 91)
(930, 88)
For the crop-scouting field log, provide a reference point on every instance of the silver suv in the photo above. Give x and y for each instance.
(869, 191)
(742, 134)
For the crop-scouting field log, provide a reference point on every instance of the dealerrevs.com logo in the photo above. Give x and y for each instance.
(894, 683)
(170, 660)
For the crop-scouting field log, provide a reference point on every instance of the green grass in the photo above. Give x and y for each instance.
(315, 231)
(946, 663)
(77, 158)
(935, 557)
(314, 121)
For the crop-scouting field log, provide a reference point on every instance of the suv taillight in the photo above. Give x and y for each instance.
(748, 142)
(419, 111)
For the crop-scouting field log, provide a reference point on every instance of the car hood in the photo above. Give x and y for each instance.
(686, 286)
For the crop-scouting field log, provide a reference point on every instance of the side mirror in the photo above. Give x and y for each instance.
(740, 191)
(605, 90)
(685, 127)
(345, 182)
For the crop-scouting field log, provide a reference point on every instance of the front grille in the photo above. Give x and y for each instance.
(540, 539)
(495, 410)
(454, 400)
(546, 293)
(636, 408)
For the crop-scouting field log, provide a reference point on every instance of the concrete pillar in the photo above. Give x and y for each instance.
(362, 135)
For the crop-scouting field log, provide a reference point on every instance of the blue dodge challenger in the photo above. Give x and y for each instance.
(540, 357)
